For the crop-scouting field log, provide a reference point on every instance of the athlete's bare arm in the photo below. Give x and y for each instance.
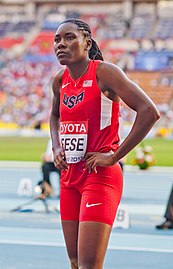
(59, 154)
(115, 84)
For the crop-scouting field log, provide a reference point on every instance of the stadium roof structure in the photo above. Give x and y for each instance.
(69, 1)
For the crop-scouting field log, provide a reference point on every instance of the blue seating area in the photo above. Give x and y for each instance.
(153, 61)
(7, 27)
(164, 29)
(4, 28)
(141, 27)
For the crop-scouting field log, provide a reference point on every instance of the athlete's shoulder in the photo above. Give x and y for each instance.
(106, 70)
(57, 80)
(103, 66)
(58, 75)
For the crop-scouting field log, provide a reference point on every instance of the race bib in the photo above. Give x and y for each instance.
(73, 135)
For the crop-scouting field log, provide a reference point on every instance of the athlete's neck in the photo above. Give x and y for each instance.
(76, 71)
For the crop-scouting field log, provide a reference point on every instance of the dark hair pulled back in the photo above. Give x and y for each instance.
(95, 52)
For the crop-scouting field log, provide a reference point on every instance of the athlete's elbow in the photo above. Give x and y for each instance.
(157, 115)
(54, 116)
(152, 114)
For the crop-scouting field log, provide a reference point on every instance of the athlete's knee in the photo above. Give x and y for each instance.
(89, 266)
(74, 263)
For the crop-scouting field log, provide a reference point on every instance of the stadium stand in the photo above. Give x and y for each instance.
(143, 21)
(140, 43)
(154, 85)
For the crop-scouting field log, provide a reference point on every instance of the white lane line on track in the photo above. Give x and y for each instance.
(118, 241)
(59, 232)
(18, 164)
(128, 168)
(29, 229)
(51, 244)
(133, 236)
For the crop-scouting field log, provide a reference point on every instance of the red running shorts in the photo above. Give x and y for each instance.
(96, 198)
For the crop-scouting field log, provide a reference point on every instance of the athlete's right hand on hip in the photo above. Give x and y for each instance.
(60, 159)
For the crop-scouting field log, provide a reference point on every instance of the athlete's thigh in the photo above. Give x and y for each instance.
(101, 195)
(70, 200)
(70, 231)
(69, 211)
(92, 243)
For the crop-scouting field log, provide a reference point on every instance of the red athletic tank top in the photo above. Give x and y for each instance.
(89, 121)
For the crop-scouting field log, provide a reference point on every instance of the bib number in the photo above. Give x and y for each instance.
(73, 137)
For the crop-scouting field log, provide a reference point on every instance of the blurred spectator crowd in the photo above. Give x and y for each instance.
(137, 37)
(25, 92)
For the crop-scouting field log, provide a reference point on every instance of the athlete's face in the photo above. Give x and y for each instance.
(69, 44)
